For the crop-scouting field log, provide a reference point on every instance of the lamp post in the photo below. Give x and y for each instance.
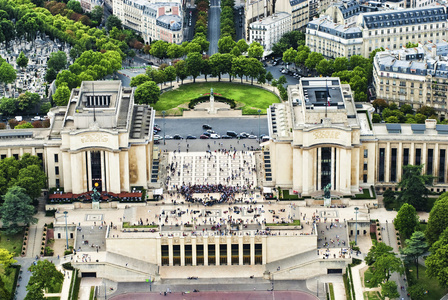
(163, 116)
(259, 111)
(356, 225)
(66, 228)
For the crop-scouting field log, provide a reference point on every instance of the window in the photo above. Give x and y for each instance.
(365, 166)
(57, 183)
(406, 156)
(3, 156)
(56, 170)
(16, 156)
(418, 156)
(366, 153)
(381, 165)
(56, 158)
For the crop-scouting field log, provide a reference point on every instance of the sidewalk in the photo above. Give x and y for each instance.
(357, 284)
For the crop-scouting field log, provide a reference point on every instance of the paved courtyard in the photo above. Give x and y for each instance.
(231, 168)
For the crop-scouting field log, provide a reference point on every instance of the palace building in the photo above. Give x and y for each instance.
(100, 139)
(321, 136)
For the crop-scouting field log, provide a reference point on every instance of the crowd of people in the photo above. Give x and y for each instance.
(227, 193)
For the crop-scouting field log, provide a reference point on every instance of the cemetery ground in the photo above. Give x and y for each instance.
(249, 98)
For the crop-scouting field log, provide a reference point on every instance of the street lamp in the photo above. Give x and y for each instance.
(66, 228)
(259, 111)
(163, 116)
(356, 225)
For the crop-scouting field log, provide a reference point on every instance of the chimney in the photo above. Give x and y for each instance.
(430, 123)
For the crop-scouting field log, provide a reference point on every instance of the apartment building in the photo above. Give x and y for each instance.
(333, 40)
(268, 31)
(153, 20)
(416, 76)
(390, 29)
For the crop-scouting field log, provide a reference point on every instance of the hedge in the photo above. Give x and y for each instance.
(201, 99)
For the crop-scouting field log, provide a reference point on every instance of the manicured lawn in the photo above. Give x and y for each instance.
(249, 98)
(8, 279)
(294, 223)
(367, 276)
(435, 292)
(12, 243)
(128, 225)
(371, 296)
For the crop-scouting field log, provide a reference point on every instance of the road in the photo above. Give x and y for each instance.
(184, 126)
(189, 30)
(214, 31)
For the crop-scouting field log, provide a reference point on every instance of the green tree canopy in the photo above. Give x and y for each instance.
(57, 61)
(407, 220)
(181, 70)
(194, 64)
(390, 289)
(413, 187)
(113, 21)
(62, 95)
(159, 49)
(75, 6)
(8, 106)
(7, 73)
(437, 262)
(376, 251)
(22, 60)
(139, 79)
(226, 44)
(255, 50)
(147, 93)
(44, 275)
(415, 247)
(384, 266)
(438, 220)
(27, 101)
(17, 210)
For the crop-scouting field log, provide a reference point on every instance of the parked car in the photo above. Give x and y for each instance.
(232, 133)
(225, 136)
(252, 137)
(177, 137)
(206, 126)
(206, 133)
(244, 135)
(204, 137)
(211, 131)
(214, 136)
(168, 137)
(191, 137)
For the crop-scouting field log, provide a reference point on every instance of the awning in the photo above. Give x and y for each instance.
(158, 192)
(267, 190)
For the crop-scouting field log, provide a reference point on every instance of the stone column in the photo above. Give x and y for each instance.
(412, 154)
(355, 168)
(435, 161)
(193, 251)
(339, 170)
(387, 163)
(159, 251)
(332, 168)
(67, 172)
(103, 175)
(182, 252)
(113, 177)
(424, 157)
(170, 251)
(229, 250)
(306, 165)
(240, 251)
(89, 170)
(205, 242)
(252, 250)
(263, 250)
(217, 251)
(399, 161)
(319, 171)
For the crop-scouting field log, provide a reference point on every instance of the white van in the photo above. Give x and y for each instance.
(19, 118)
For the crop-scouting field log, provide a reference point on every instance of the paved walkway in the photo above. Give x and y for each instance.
(357, 283)
(86, 284)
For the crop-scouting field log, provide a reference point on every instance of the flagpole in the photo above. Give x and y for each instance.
(326, 104)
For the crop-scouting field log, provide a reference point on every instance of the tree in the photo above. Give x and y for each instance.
(97, 14)
(62, 95)
(7, 73)
(193, 47)
(242, 45)
(390, 289)
(313, 59)
(269, 77)
(181, 70)
(194, 64)
(206, 68)
(374, 52)
(380, 104)
(324, 67)
(406, 220)
(50, 75)
(437, 221)
(384, 266)
(201, 40)
(437, 262)
(139, 79)
(174, 51)
(57, 61)
(28, 101)
(239, 66)
(159, 49)
(75, 6)
(44, 275)
(8, 106)
(255, 50)
(113, 21)
(6, 259)
(282, 80)
(340, 64)
(415, 247)
(170, 74)
(290, 55)
(236, 51)
(413, 187)
(417, 291)
(22, 60)
(147, 93)
(376, 118)
(32, 178)
(226, 44)
(65, 77)
(376, 251)
(253, 68)
(17, 210)
(426, 110)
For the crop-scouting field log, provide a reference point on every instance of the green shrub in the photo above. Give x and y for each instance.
(201, 99)
(67, 266)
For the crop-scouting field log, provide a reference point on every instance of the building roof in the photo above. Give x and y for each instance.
(324, 24)
(272, 19)
(403, 17)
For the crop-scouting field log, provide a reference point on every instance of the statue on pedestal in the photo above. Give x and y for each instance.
(95, 195)
(212, 109)
(327, 191)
